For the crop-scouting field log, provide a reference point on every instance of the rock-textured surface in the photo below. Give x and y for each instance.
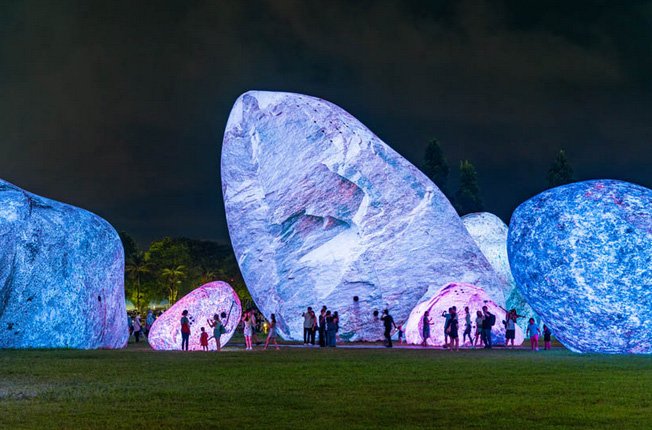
(201, 303)
(460, 296)
(490, 234)
(581, 254)
(61, 275)
(321, 210)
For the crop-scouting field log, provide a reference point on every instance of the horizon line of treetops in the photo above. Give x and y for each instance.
(172, 267)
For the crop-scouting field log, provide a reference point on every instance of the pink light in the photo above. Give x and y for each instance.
(458, 295)
(202, 303)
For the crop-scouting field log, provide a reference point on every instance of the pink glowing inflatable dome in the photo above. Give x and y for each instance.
(458, 295)
(202, 303)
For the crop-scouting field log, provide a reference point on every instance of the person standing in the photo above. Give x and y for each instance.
(453, 326)
(447, 316)
(247, 321)
(323, 336)
(331, 328)
(388, 321)
(479, 340)
(149, 321)
(534, 332)
(137, 327)
(488, 320)
(272, 332)
(203, 339)
(185, 330)
(130, 323)
(308, 323)
(510, 328)
(546, 338)
(425, 330)
(217, 327)
(467, 327)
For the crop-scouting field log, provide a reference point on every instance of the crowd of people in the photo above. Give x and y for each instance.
(323, 328)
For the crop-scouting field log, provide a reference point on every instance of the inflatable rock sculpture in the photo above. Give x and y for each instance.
(460, 296)
(490, 234)
(61, 275)
(202, 304)
(581, 255)
(320, 211)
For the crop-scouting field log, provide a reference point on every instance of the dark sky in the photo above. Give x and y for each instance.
(119, 107)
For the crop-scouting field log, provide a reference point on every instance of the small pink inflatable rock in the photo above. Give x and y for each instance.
(460, 296)
(201, 304)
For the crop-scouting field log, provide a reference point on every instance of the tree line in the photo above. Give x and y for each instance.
(173, 267)
(467, 198)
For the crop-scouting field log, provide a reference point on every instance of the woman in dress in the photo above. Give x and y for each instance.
(216, 325)
(272, 332)
(247, 320)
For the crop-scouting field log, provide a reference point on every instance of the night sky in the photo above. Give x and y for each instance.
(120, 107)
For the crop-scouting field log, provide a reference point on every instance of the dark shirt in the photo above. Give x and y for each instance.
(388, 321)
(485, 322)
(546, 335)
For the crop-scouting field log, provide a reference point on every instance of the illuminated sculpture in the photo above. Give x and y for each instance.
(581, 254)
(490, 234)
(61, 275)
(201, 303)
(320, 211)
(460, 296)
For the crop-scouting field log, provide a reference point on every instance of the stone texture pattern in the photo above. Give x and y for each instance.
(61, 275)
(581, 254)
(490, 234)
(320, 210)
(201, 303)
(458, 295)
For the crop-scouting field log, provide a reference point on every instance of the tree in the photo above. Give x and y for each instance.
(136, 267)
(173, 277)
(436, 167)
(560, 172)
(467, 197)
(128, 244)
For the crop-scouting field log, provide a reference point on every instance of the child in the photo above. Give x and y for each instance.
(203, 340)
(546, 337)
(272, 332)
(534, 333)
(401, 334)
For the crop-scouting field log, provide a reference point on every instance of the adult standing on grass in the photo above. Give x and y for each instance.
(137, 327)
(388, 321)
(323, 336)
(272, 332)
(331, 329)
(185, 330)
(425, 330)
(453, 326)
(447, 316)
(308, 323)
(479, 340)
(248, 330)
(218, 330)
(488, 320)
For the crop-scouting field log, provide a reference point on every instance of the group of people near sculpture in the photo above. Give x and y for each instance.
(484, 322)
(327, 325)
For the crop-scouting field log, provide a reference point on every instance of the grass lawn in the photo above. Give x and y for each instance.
(340, 388)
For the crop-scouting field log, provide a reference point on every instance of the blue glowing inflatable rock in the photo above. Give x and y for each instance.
(320, 211)
(490, 234)
(581, 254)
(61, 275)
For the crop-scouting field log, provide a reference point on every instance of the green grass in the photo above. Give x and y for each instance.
(299, 388)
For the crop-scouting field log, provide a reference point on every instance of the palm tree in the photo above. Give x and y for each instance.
(173, 277)
(136, 267)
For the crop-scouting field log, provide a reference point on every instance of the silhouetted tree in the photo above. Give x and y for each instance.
(467, 197)
(128, 244)
(560, 172)
(436, 167)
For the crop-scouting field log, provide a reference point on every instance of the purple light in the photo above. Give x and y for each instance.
(202, 303)
(460, 296)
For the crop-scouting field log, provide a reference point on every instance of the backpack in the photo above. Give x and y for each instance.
(492, 320)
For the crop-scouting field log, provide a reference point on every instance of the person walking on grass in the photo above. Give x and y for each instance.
(478, 330)
(388, 322)
(137, 327)
(185, 330)
(425, 330)
(272, 332)
(203, 339)
(534, 332)
(467, 327)
(248, 331)
(218, 330)
(488, 320)
(453, 326)
(546, 338)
